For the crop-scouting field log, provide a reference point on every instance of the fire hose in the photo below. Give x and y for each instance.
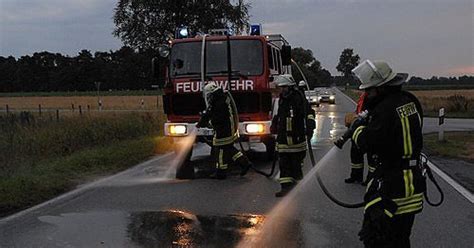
(320, 181)
(426, 171)
(313, 162)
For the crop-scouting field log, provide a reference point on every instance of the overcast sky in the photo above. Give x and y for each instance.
(421, 37)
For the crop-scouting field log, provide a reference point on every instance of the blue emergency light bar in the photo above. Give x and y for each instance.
(181, 33)
(256, 29)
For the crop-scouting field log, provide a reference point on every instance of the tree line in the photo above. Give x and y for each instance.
(128, 69)
(124, 69)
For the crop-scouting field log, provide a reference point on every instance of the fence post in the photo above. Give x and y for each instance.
(441, 125)
(80, 110)
(8, 109)
(100, 104)
(88, 108)
(39, 109)
(72, 106)
(57, 115)
(142, 103)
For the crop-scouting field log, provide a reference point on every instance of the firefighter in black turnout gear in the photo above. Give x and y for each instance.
(293, 124)
(221, 115)
(393, 133)
(357, 156)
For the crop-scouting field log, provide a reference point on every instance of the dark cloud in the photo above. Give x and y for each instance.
(65, 26)
(422, 37)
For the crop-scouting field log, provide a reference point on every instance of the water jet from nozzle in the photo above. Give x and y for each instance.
(278, 223)
(183, 151)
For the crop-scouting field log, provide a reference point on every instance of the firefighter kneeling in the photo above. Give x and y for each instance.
(392, 132)
(221, 114)
(289, 125)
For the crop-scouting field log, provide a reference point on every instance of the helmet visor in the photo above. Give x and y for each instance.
(366, 71)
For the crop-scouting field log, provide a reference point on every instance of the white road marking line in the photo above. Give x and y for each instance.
(76, 192)
(463, 191)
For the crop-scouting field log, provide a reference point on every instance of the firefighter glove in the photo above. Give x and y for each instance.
(204, 121)
(349, 118)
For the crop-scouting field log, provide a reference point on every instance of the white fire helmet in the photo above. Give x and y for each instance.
(284, 80)
(373, 74)
(210, 88)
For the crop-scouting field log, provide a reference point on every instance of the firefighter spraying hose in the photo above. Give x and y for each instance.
(313, 162)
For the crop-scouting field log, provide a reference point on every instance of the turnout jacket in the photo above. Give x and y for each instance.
(293, 122)
(222, 115)
(394, 134)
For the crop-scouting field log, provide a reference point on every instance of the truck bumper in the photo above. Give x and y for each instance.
(251, 131)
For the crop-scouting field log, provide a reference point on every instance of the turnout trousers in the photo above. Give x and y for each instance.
(291, 164)
(228, 154)
(357, 164)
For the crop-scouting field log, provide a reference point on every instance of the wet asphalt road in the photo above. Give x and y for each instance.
(140, 208)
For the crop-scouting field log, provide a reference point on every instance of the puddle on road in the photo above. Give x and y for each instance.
(172, 228)
(181, 229)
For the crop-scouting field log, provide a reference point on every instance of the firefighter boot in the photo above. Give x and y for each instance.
(356, 176)
(245, 165)
(285, 188)
(219, 174)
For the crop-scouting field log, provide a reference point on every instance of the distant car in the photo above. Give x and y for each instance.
(312, 97)
(326, 95)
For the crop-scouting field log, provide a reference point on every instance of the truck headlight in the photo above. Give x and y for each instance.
(331, 97)
(255, 128)
(177, 129)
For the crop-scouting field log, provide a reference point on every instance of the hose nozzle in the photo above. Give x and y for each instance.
(340, 142)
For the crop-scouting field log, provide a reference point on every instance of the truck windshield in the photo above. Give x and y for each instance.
(247, 58)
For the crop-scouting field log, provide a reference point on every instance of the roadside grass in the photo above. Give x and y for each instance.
(50, 178)
(353, 94)
(40, 159)
(87, 104)
(457, 103)
(456, 145)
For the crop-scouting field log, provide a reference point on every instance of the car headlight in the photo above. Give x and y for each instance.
(177, 129)
(331, 97)
(255, 128)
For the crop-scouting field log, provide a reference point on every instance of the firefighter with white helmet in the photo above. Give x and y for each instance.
(292, 124)
(303, 86)
(221, 115)
(392, 132)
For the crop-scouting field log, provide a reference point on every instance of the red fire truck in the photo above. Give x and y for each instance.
(254, 61)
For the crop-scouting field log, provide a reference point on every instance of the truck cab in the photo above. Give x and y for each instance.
(254, 60)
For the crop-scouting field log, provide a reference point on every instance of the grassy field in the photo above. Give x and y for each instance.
(456, 145)
(85, 102)
(457, 103)
(86, 93)
(40, 158)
